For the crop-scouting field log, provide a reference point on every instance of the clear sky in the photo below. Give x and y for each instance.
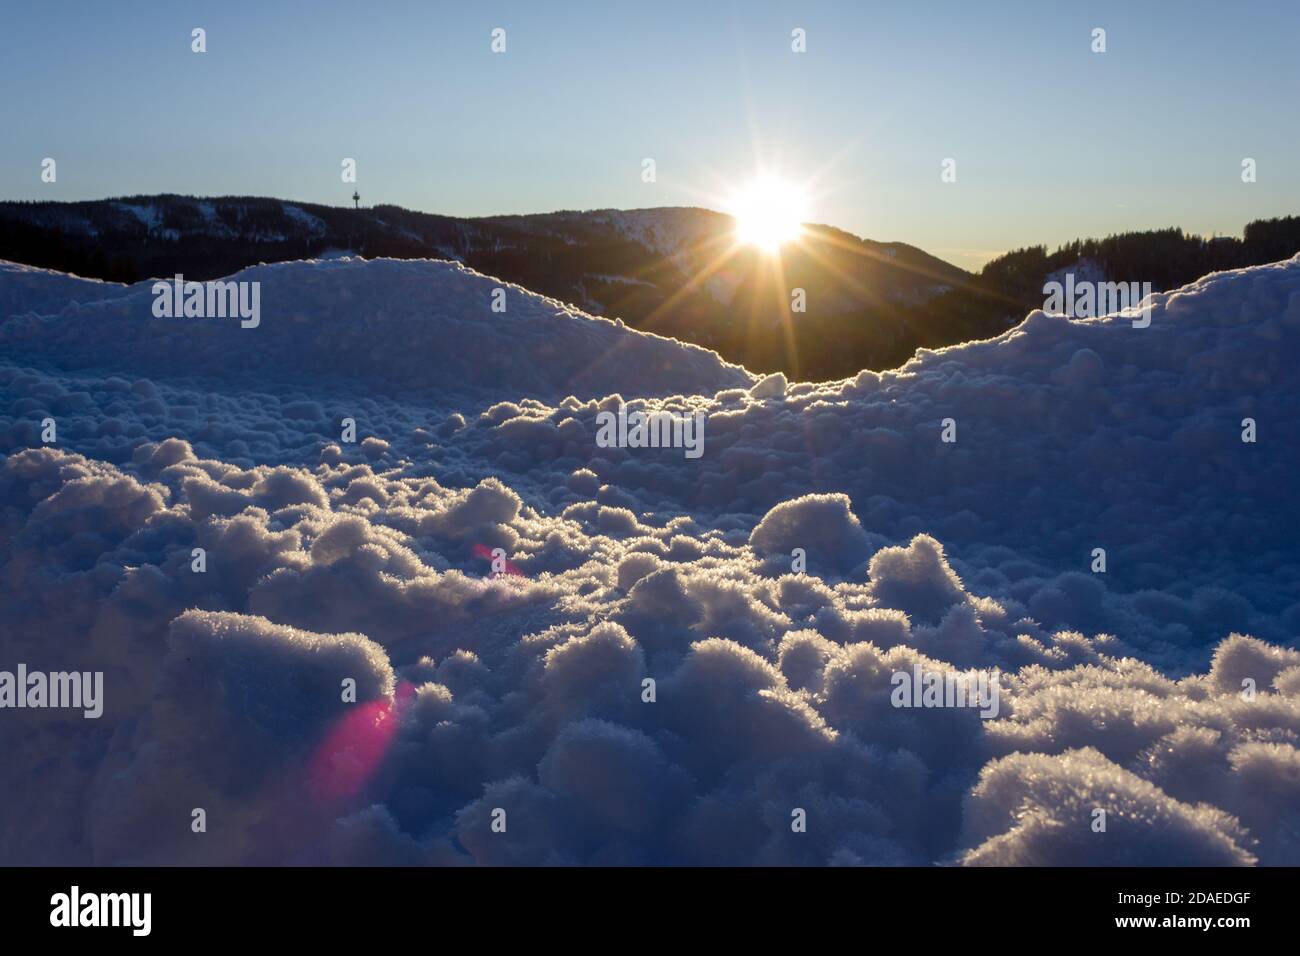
(1052, 141)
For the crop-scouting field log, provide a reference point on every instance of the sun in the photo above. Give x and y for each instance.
(769, 212)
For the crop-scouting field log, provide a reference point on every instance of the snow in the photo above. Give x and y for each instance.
(682, 235)
(40, 291)
(149, 215)
(621, 280)
(313, 224)
(420, 325)
(526, 690)
(1084, 270)
(668, 232)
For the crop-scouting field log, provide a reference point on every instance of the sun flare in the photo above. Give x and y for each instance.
(769, 212)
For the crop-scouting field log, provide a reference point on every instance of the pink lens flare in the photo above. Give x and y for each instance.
(484, 552)
(355, 746)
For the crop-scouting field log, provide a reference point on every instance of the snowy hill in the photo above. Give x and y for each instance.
(418, 326)
(524, 688)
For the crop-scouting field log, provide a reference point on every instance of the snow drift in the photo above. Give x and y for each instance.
(648, 678)
(418, 326)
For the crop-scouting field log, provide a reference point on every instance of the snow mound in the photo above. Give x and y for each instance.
(28, 289)
(423, 327)
(615, 647)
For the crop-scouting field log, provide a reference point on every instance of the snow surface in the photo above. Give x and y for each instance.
(313, 224)
(421, 326)
(1084, 270)
(148, 214)
(35, 291)
(523, 690)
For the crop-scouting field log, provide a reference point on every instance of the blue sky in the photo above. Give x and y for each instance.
(1052, 141)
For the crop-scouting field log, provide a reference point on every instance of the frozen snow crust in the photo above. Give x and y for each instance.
(525, 691)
